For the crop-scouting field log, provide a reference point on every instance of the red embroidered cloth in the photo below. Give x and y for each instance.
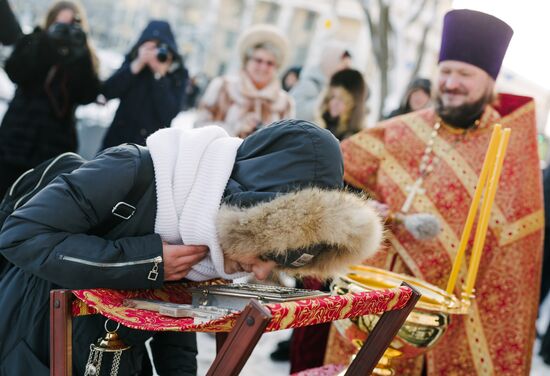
(284, 315)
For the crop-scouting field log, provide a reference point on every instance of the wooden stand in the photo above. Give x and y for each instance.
(234, 348)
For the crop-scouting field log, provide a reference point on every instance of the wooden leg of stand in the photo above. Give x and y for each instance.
(241, 340)
(60, 333)
(220, 340)
(380, 337)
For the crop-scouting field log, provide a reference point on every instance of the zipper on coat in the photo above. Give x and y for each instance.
(153, 274)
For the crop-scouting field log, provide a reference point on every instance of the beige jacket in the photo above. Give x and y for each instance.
(231, 100)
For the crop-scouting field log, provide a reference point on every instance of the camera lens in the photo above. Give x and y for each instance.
(162, 53)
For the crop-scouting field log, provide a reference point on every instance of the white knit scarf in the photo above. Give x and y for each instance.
(192, 168)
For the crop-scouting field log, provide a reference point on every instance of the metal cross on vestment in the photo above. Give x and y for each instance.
(413, 190)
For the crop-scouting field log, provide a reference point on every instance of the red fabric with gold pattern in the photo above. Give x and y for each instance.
(497, 337)
(285, 315)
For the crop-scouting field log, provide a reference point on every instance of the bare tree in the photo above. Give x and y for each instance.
(386, 35)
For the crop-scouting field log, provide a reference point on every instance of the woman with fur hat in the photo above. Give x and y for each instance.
(342, 109)
(216, 206)
(245, 102)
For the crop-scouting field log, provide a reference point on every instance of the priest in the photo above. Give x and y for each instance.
(429, 162)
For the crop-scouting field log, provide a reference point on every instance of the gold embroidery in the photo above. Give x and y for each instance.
(393, 301)
(421, 204)
(289, 318)
(521, 228)
(479, 348)
(371, 144)
(453, 159)
(411, 264)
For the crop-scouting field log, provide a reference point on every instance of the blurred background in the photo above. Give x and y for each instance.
(391, 42)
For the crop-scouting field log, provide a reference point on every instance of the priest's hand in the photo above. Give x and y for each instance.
(178, 259)
(382, 209)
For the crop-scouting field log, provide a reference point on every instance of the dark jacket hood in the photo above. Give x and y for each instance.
(161, 31)
(285, 156)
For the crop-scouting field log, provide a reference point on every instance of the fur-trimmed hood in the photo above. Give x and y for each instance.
(344, 223)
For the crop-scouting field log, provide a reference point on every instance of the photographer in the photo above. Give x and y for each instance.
(150, 84)
(55, 70)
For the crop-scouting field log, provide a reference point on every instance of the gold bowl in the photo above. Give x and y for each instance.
(424, 326)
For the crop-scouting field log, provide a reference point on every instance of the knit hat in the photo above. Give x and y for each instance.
(262, 33)
(351, 80)
(475, 38)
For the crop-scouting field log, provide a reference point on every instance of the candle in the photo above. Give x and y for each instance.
(487, 163)
(483, 223)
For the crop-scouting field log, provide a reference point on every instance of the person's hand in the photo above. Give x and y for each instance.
(381, 208)
(146, 52)
(178, 259)
(249, 124)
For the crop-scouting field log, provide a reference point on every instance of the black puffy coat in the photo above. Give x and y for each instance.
(146, 104)
(48, 241)
(53, 251)
(40, 122)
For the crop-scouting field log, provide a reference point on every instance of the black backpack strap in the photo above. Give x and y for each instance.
(125, 209)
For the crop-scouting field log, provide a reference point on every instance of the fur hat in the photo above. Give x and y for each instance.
(284, 202)
(262, 33)
(310, 232)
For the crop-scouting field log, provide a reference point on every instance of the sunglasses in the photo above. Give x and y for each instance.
(260, 61)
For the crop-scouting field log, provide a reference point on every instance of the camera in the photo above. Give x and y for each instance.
(162, 52)
(69, 39)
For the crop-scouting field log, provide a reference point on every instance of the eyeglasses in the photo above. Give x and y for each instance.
(260, 61)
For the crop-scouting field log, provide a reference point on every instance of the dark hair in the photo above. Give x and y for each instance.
(353, 82)
(417, 84)
(292, 70)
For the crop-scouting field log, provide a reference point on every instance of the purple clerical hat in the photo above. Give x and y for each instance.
(476, 38)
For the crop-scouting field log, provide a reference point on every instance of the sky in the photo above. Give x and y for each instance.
(529, 52)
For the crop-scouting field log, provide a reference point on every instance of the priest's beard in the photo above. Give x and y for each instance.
(463, 116)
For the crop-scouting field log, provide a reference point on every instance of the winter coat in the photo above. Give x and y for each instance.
(49, 251)
(228, 100)
(40, 122)
(10, 30)
(146, 103)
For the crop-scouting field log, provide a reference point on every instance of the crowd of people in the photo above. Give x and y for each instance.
(265, 137)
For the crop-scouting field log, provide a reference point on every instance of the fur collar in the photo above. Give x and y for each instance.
(300, 219)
